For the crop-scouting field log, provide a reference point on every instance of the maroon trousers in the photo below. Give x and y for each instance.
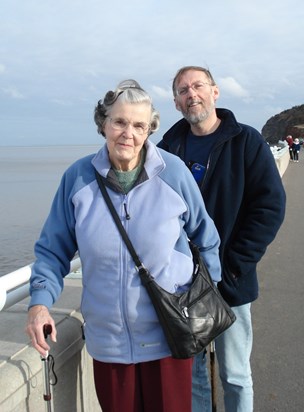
(158, 386)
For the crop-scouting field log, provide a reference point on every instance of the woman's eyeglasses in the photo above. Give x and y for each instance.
(120, 124)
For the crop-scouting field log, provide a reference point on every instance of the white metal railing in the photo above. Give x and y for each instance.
(280, 150)
(15, 285)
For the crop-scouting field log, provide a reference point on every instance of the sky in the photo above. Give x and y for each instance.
(58, 58)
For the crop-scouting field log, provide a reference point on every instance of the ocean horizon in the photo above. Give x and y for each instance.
(29, 178)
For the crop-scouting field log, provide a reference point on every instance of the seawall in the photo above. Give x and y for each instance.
(21, 369)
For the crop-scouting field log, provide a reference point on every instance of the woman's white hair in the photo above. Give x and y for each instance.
(128, 91)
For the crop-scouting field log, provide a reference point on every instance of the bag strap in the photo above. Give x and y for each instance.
(139, 265)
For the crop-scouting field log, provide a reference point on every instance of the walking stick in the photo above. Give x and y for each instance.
(212, 375)
(47, 396)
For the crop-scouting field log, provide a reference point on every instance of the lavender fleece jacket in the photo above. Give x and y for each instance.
(164, 209)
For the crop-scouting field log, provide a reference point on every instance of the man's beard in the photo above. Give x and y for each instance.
(198, 117)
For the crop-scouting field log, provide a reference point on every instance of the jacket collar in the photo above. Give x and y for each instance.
(175, 137)
(153, 165)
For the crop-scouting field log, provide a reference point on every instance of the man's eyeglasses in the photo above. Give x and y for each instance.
(120, 124)
(197, 87)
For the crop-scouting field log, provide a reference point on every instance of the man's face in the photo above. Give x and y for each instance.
(196, 96)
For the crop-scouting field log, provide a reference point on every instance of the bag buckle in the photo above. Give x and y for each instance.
(140, 267)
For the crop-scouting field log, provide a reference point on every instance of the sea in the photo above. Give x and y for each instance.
(29, 178)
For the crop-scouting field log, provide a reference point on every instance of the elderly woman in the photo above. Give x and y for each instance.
(160, 206)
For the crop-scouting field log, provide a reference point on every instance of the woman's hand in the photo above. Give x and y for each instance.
(38, 316)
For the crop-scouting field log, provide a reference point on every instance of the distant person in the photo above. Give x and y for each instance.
(289, 140)
(160, 206)
(243, 193)
(296, 150)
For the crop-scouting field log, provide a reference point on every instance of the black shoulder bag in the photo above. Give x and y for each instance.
(192, 319)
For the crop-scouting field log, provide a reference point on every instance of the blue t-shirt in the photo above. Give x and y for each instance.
(197, 152)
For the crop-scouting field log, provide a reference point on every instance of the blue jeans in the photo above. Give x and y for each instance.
(201, 389)
(233, 350)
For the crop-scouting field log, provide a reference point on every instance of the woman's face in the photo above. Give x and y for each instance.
(126, 129)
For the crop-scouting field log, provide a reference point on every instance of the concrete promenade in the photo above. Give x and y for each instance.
(278, 358)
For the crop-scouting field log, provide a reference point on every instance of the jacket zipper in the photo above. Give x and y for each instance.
(128, 217)
(123, 284)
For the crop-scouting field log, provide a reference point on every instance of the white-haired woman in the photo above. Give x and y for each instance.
(160, 207)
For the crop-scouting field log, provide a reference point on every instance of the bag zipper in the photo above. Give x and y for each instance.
(185, 312)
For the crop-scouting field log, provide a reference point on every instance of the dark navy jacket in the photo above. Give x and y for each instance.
(244, 195)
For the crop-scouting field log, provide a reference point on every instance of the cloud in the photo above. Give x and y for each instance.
(61, 102)
(13, 92)
(67, 54)
(230, 86)
(164, 93)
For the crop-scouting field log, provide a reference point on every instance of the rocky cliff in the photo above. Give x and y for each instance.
(289, 121)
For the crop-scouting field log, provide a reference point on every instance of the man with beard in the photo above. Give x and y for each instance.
(244, 195)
